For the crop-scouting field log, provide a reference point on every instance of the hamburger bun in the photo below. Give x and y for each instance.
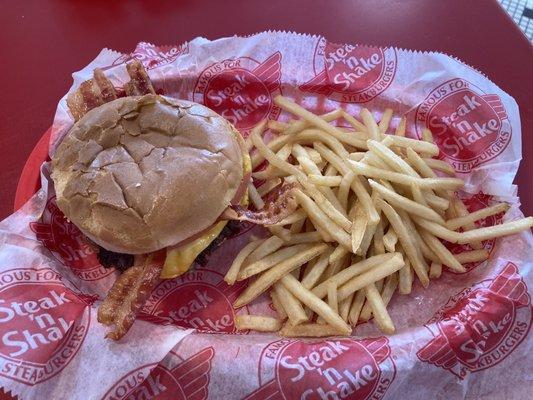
(145, 172)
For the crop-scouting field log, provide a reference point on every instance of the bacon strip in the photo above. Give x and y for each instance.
(279, 205)
(100, 90)
(128, 295)
(140, 81)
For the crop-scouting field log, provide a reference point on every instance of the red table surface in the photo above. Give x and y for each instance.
(43, 42)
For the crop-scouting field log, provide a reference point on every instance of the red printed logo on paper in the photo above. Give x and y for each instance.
(241, 90)
(199, 299)
(42, 324)
(469, 126)
(475, 203)
(351, 74)
(331, 369)
(67, 244)
(480, 326)
(153, 56)
(172, 379)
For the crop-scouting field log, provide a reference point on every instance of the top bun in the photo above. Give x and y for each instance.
(142, 173)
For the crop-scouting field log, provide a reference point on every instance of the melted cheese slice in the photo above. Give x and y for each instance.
(179, 260)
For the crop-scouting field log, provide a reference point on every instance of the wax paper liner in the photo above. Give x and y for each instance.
(466, 337)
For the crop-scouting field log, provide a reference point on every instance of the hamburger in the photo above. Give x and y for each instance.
(145, 173)
(151, 181)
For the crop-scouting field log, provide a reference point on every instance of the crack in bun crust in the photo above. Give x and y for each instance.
(145, 172)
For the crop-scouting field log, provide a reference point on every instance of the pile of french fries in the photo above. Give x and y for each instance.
(372, 210)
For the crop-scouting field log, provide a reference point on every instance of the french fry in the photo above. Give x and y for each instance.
(394, 161)
(314, 274)
(356, 307)
(436, 229)
(389, 240)
(385, 261)
(472, 256)
(461, 211)
(330, 181)
(441, 251)
(385, 120)
(400, 130)
(313, 119)
(389, 287)
(313, 155)
(368, 277)
(277, 125)
(293, 308)
(304, 237)
(255, 197)
(302, 124)
(359, 226)
(439, 165)
(267, 247)
(405, 278)
(406, 239)
(274, 145)
(282, 315)
(353, 122)
(332, 296)
(379, 246)
(366, 311)
(344, 189)
(490, 232)
(311, 330)
(370, 124)
(458, 222)
(315, 304)
(435, 270)
(344, 307)
(268, 278)
(269, 261)
(323, 220)
(234, 269)
(367, 240)
(417, 145)
(296, 216)
(257, 323)
(381, 316)
(282, 233)
(297, 226)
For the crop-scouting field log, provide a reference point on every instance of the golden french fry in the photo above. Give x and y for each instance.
(379, 246)
(353, 122)
(389, 240)
(293, 308)
(313, 155)
(407, 240)
(417, 145)
(385, 261)
(370, 124)
(234, 269)
(441, 251)
(270, 260)
(268, 246)
(315, 273)
(461, 211)
(472, 256)
(323, 220)
(366, 311)
(315, 120)
(344, 189)
(435, 270)
(282, 315)
(490, 232)
(368, 277)
(439, 165)
(274, 145)
(381, 316)
(255, 197)
(356, 156)
(277, 125)
(315, 304)
(405, 203)
(330, 181)
(359, 226)
(311, 330)
(304, 237)
(271, 157)
(274, 274)
(356, 307)
(385, 121)
(367, 240)
(257, 323)
(405, 278)
(282, 233)
(332, 296)
(400, 130)
(436, 229)
(302, 124)
(458, 222)
(296, 216)
(297, 226)
(344, 307)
